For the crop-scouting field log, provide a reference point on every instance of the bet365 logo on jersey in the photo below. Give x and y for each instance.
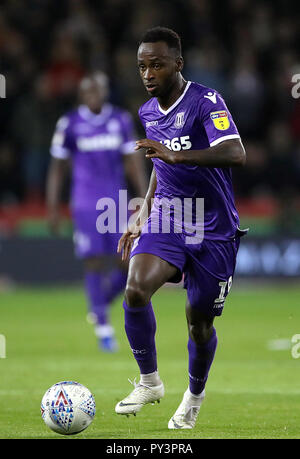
(178, 143)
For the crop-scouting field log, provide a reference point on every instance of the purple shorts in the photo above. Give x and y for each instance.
(208, 267)
(88, 242)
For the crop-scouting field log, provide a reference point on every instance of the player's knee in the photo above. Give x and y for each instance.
(200, 332)
(136, 295)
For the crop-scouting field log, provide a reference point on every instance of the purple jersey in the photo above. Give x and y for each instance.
(95, 144)
(198, 119)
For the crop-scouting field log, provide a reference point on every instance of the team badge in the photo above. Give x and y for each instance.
(220, 120)
(179, 120)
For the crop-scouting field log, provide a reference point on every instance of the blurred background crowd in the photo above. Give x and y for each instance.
(247, 50)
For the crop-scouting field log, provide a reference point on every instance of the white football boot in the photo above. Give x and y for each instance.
(140, 396)
(186, 414)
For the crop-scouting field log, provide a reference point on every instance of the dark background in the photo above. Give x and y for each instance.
(247, 50)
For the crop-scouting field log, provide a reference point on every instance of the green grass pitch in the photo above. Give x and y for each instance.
(252, 391)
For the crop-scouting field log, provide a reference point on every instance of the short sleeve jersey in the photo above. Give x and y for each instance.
(95, 143)
(199, 119)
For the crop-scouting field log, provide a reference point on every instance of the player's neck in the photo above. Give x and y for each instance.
(176, 91)
(96, 110)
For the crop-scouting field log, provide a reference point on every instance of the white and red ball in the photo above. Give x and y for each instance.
(68, 407)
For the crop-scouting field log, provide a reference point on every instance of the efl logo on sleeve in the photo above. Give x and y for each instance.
(220, 120)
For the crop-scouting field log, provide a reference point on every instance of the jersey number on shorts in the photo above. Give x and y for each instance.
(223, 286)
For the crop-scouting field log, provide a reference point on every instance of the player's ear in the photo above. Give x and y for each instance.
(179, 63)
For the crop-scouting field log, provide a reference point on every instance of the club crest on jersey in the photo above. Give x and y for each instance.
(220, 120)
(179, 120)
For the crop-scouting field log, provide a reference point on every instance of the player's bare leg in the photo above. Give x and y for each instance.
(147, 273)
(202, 345)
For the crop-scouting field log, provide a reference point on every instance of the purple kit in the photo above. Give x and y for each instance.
(197, 120)
(95, 143)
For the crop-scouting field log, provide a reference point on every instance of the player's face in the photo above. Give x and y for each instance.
(93, 95)
(159, 67)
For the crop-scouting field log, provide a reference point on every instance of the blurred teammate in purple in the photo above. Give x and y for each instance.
(193, 142)
(98, 140)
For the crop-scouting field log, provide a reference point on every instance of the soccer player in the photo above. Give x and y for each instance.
(98, 139)
(193, 142)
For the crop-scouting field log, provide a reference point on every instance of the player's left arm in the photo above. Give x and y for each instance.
(228, 153)
(226, 148)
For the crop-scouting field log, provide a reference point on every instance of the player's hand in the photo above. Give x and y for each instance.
(156, 149)
(127, 239)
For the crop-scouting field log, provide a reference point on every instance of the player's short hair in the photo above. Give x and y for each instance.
(162, 34)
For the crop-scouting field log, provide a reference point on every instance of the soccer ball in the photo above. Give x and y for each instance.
(68, 407)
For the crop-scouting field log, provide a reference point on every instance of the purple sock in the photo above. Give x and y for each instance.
(200, 360)
(140, 327)
(116, 282)
(96, 296)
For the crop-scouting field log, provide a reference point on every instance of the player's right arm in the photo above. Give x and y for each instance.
(133, 231)
(55, 180)
(60, 153)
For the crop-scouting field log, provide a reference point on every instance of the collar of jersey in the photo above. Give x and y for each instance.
(98, 118)
(165, 112)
